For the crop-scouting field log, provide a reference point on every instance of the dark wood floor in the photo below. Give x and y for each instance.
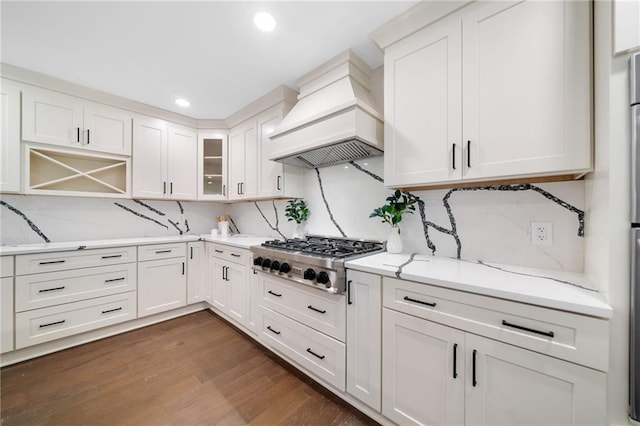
(191, 370)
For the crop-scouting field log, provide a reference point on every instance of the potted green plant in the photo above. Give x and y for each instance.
(298, 212)
(397, 204)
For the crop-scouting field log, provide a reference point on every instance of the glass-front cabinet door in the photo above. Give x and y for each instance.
(212, 165)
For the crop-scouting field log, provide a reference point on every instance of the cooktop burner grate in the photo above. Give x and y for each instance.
(326, 246)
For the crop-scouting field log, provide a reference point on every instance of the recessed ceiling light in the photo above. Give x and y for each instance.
(264, 21)
(183, 102)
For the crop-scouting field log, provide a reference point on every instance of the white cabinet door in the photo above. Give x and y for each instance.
(220, 290)
(107, 129)
(514, 386)
(9, 136)
(526, 96)
(626, 25)
(162, 285)
(212, 165)
(422, 370)
(149, 159)
(423, 106)
(6, 314)
(243, 161)
(51, 117)
(182, 170)
(197, 289)
(364, 337)
(270, 181)
(237, 290)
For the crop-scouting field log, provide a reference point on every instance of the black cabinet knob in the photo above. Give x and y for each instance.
(266, 263)
(323, 277)
(275, 265)
(309, 274)
(257, 261)
(285, 268)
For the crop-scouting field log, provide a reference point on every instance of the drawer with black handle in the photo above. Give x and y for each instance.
(161, 251)
(54, 288)
(81, 258)
(46, 324)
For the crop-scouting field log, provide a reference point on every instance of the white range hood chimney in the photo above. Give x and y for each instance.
(335, 120)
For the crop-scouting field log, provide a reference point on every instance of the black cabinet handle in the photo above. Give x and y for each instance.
(455, 360)
(114, 279)
(272, 330)
(164, 187)
(235, 255)
(191, 252)
(78, 135)
(171, 188)
(52, 323)
(182, 268)
(51, 289)
(316, 309)
(162, 251)
(278, 187)
(224, 270)
(349, 302)
(408, 299)
(112, 256)
(238, 188)
(242, 188)
(453, 156)
(473, 379)
(468, 154)
(88, 133)
(112, 310)
(218, 251)
(274, 294)
(52, 262)
(315, 354)
(224, 190)
(530, 330)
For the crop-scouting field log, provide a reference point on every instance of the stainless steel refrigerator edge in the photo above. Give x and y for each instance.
(634, 337)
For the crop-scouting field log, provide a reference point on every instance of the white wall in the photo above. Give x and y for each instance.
(78, 218)
(493, 226)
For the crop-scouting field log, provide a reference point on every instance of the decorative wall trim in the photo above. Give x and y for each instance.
(32, 225)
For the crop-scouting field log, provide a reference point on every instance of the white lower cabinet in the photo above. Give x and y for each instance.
(197, 288)
(229, 280)
(436, 374)
(6, 304)
(364, 337)
(162, 283)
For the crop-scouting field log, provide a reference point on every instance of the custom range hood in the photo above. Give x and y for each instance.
(336, 119)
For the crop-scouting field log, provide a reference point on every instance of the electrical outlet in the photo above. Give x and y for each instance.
(541, 234)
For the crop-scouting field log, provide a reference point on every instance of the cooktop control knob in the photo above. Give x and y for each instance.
(257, 261)
(323, 277)
(285, 268)
(309, 274)
(266, 263)
(275, 266)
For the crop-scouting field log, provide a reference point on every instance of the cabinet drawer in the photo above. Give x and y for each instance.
(6, 266)
(54, 288)
(43, 325)
(576, 338)
(318, 353)
(60, 261)
(161, 251)
(232, 254)
(319, 310)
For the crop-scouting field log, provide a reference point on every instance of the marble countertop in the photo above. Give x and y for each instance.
(239, 240)
(566, 291)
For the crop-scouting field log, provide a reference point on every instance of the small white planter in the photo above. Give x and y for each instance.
(394, 242)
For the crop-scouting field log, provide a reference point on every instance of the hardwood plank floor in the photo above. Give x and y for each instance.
(195, 369)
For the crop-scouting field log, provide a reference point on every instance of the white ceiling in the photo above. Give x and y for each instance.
(207, 52)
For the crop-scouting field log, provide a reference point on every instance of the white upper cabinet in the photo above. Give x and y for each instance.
(243, 161)
(164, 161)
(464, 102)
(9, 136)
(54, 118)
(626, 25)
(212, 165)
(275, 179)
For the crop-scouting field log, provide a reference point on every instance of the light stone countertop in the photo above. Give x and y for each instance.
(567, 291)
(239, 240)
